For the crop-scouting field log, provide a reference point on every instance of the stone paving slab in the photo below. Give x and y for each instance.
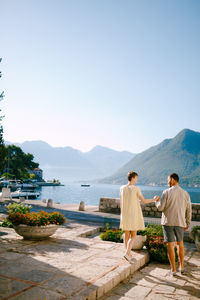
(152, 282)
(69, 265)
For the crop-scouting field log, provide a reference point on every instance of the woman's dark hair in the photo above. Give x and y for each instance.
(174, 176)
(131, 175)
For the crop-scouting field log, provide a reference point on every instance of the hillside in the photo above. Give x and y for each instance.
(180, 154)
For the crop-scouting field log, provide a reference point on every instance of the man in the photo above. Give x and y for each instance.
(175, 205)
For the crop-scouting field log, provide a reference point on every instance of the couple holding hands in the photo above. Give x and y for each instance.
(175, 205)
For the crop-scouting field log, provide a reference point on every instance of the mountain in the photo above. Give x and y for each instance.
(47, 155)
(180, 154)
(107, 159)
(60, 162)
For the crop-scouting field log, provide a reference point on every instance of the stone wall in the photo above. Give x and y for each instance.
(112, 205)
(109, 205)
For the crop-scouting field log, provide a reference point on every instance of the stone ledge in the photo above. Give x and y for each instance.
(112, 205)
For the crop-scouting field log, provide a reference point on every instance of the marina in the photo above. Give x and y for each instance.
(12, 189)
(16, 184)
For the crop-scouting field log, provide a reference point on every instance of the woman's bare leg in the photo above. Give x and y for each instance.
(126, 238)
(131, 242)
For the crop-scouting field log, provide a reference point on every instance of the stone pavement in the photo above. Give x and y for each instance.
(69, 265)
(153, 283)
(73, 265)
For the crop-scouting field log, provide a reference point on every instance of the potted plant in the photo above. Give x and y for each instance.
(140, 240)
(33, 226)
(117, 235)
(195, 235)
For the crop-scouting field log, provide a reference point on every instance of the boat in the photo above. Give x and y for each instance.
(85, 185)
(24, 194)
(14, 185)
(4, 183)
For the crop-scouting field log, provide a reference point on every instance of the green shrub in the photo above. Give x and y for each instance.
(155, 244)
(152, 229)
(6, 223)
(18, 207)
(112, 235)
(115, 235)
(142, 232)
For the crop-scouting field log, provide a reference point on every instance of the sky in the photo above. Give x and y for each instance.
(123, 74)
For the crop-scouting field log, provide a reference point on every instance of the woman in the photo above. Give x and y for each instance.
(131, 218)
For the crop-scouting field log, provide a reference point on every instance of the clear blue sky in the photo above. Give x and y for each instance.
(121, 74)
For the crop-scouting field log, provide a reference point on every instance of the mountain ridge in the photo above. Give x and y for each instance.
(97, 163)
(180, 154)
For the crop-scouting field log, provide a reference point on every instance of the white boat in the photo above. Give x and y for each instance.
(24, 194)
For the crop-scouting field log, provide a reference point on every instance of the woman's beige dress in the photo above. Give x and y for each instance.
(131, 213)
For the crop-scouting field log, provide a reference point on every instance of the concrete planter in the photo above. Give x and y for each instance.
(139, 242)
(35, 232)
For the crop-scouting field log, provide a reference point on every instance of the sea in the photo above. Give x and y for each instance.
(73, 193)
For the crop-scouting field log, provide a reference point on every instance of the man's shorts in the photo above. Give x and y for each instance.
(173, 233)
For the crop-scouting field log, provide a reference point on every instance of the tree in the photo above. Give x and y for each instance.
(19, 163)
(2, 146)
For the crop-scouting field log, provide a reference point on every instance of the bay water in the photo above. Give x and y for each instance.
(73, 193)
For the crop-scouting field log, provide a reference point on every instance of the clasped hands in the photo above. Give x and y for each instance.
(156, 198)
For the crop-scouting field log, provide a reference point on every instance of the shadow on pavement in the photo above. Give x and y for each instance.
(41, 270)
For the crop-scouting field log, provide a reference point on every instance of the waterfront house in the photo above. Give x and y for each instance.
(38, 174)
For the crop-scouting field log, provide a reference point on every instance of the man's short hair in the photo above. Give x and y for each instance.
(131, 175)
(174, 176)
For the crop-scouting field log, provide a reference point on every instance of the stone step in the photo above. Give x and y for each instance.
(99, 286)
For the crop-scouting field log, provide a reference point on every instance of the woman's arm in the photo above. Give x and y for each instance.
(146, 201)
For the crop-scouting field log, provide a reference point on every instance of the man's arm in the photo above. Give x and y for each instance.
(162, 203)
(188, 213)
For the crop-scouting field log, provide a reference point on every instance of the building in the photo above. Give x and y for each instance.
(38, 174)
